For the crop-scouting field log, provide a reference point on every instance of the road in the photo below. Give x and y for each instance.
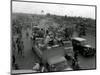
(26, 62)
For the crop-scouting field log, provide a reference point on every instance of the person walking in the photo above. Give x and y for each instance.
(18, 45)
(22, 48)
(33, 38)
(13, 59)
(75, 64)
(76, 56)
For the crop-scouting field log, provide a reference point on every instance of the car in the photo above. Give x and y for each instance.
(81, 46)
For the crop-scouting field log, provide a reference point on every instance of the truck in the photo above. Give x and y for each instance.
(54, 56)
(81, 46)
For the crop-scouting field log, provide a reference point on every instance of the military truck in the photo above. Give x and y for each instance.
(54, 56)
(81, 46)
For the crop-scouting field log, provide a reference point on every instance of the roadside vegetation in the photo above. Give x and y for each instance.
(57, 24)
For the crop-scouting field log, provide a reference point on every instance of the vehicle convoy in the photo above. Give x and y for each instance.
(80, 45)
(54, 56)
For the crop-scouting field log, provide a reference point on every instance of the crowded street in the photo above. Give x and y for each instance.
(51, 41)
(29, 57)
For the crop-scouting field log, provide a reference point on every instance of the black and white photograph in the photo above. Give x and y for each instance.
(52, 37)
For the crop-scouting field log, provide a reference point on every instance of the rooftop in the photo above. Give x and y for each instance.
(79, 39)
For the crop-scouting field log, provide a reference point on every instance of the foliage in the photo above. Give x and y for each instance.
(54, 23)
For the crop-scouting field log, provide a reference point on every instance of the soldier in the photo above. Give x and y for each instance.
(75, 64)
(76, 56)
(47, 67)
(22, 48)
(13, 59)
(18, 42)
(34, 37)
(27, 34)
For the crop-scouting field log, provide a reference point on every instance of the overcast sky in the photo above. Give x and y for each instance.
(57, 9)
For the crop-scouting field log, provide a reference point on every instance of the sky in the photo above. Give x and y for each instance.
(57, 9)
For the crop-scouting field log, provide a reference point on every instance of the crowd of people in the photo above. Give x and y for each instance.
(17, 48)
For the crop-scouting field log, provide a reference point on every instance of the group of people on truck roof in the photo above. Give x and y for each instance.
(49, 39)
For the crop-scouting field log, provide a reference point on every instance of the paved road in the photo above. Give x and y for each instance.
(87, 63)
(29, 58)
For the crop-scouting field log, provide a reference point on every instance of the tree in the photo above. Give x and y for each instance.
(48, 14)
(68, 33)
(42, 11)
(82, 30)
